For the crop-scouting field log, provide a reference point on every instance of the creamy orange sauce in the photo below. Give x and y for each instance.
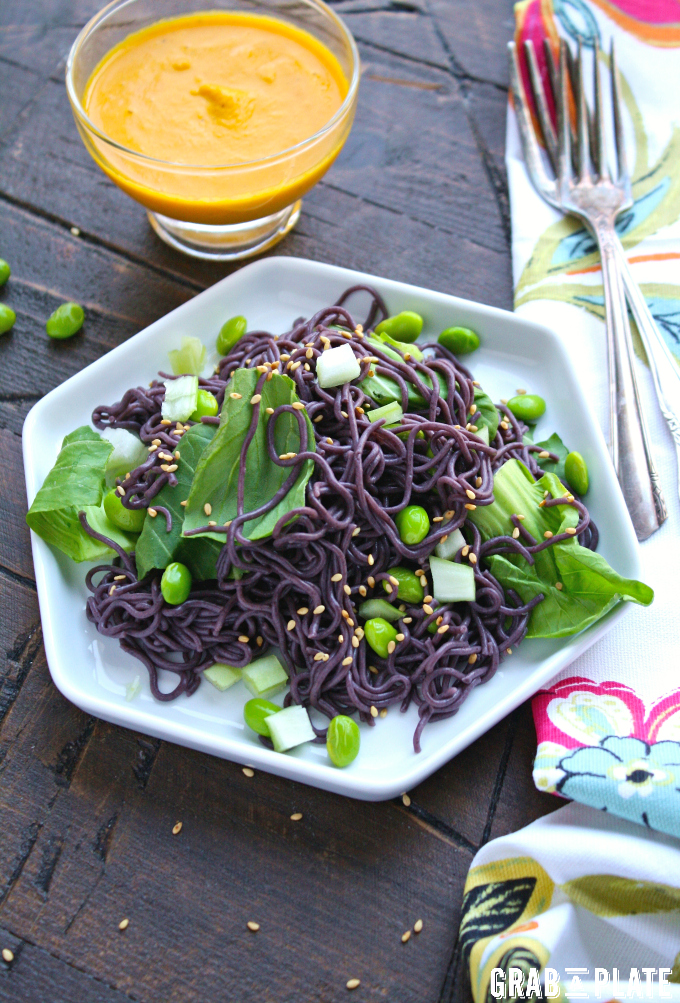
(215, 89)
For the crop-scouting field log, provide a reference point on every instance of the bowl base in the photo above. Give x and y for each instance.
(226, 243)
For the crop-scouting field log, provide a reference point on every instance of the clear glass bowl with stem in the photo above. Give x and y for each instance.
(226, 211)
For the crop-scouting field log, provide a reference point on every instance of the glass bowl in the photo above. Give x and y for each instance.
(220, 212)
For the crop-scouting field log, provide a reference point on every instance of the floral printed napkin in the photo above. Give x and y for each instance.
(579, 905)
(609, 727)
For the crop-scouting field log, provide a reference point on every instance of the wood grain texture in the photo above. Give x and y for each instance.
(87, 809)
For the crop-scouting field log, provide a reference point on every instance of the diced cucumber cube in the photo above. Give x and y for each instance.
(452, 582)
(448, 548)
(265, 678)
(392, 413)
(222, 676)
(290, 727)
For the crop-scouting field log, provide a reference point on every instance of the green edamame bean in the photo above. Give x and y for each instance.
(7, 318)
(527, 407)
(176, 583)
(404, 326)
(459, 340)
(379, 633)
(256, 712)
(5, 271)
(131, 520)
(343, 740)
(66, 321)
(409, 588)
(576, 472)
(231, 332)
(413, 524)
(206, 404)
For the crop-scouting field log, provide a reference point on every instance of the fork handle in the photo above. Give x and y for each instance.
(629, 442)
(663, 366)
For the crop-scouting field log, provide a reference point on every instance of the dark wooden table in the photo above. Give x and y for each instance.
(87, 809)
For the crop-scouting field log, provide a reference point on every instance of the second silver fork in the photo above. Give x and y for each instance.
(597, 199)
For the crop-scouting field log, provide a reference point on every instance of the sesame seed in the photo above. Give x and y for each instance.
(177, 828)
(541, 504)
(356, 531)
(359, 632)
(418, 572)
(355, 642)
(75, 231)
(290, 625)
(302, 611)
(570, 498)
(183, 503)
(362, 590)
(444, 538)
(440, 518)
(473, 408)
(470, 507)
(570, 530)
(370, 560)
(371, 372)
(508, 651)
(427, 609)
(544, 454)
(261, 369)
(478, 482)
(268, 377)
(243, 639)
(296, 816)
(270, 410)
(256, 398)
(559, 586)
(545, 494)
(341, 638)
(297, 406)
(408, 619)
(207, 508)
(336, 578)
(548, 534)
(259, 640)
(400, 637)
(152, 512)
(522, 517)
(310, 353)
(347, 661)
(236, 397)
(388, 587)
(383, 712)
(320, 656)
(353, 983)
(472, 659)
(347, 590)
(344, 414)
(372, 668)
(253, 927)
(442, 630)
(390, 647)
(119, 578)
(515, 533)
(7, 955)
(318, 610)
(504, 425)
(371, 581)
(247, 772)
(165, 421)
(428, 598)
(123, 925)
(405, 936)
(466, 550)
(470, 493)
(374, 711)
(439, 620)
(318, 418)
(120, 489)
(285, 357)
(212, 522)
(473, 558)
(417, 926)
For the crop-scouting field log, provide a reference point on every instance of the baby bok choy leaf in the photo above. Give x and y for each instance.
(579, 585)
(76, 483)
(215, 486)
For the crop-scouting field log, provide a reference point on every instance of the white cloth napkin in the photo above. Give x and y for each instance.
(589, 903)
(609, 727)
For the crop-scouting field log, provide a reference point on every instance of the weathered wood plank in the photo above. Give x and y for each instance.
(15, 545)
(475, 35)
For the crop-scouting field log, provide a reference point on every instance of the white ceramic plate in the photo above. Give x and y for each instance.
(96, 675)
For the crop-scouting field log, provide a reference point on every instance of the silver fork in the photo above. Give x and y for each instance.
(597, 199)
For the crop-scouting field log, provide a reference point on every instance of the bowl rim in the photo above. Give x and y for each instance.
(83, 118)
